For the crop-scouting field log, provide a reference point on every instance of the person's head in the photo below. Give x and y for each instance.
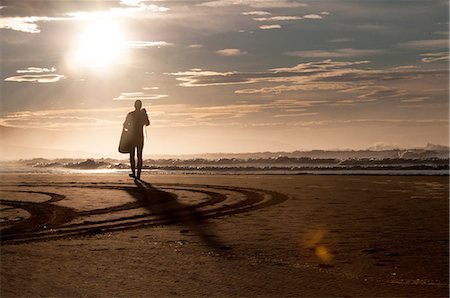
(138, 104)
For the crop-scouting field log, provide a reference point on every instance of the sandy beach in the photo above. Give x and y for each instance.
(224, 235)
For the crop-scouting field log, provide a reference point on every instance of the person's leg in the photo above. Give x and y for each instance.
(132, 163)
(139, 160)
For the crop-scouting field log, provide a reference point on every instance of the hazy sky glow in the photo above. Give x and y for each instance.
(225, 75)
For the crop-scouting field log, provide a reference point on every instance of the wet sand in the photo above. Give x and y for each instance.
(224, 235)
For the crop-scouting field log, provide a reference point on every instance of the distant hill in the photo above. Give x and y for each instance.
(436, 147)
(429, 151)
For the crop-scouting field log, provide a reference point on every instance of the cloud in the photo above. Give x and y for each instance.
(131, 7)
(312, 16)
(279, 18)
(165, 115)
(319, 65)
(63, 119)
(445, 33)
(374, 121)
(133, 2)
(128, 11)
(186, 115)
(36, 70)
(25, 24)
(255, 3)
(288, 18)
(294, 104)
(46, 78)
(195, 46)
(225, 111)
(231, 52)
(338, 40)
(255, 13)
(182, 115)
(345, 102)
(350, 76)
(296, 115)
(29, 24)
(26, 8)
(435, 57)
(300, 85)
(380, 92)
(20, 24)
(198, 78)
(147, 44)
(300, 72)
(339, 53)
(139, 95)
(36, 75)
(266, 27)
(416, 99)
(428, 44)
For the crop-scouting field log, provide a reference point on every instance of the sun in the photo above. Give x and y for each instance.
(100, 44)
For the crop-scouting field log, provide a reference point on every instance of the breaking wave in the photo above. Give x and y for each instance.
(266, 165)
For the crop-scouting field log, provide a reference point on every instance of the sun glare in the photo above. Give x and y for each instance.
(100, 44)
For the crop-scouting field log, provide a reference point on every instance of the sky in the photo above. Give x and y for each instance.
(223, 75)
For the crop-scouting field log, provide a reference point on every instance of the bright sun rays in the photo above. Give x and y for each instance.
(99, 45)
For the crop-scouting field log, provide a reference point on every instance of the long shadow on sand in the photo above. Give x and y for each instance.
(48, 221)
(166, 207)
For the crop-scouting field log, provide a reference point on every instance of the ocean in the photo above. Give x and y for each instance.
(281, 165)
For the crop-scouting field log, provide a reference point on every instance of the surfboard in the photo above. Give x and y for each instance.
(125, 144)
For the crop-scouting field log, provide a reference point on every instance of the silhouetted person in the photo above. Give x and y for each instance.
(134, 123)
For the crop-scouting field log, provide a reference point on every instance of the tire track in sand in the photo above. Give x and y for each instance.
(153, 205)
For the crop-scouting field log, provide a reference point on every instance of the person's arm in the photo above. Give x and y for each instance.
(146, 120)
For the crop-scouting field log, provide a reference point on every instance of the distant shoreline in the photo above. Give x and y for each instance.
(428, 163)
(232, 173)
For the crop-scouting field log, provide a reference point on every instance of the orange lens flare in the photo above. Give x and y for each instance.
(313, 239)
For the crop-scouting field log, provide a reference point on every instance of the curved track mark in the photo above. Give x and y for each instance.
(159, 207)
